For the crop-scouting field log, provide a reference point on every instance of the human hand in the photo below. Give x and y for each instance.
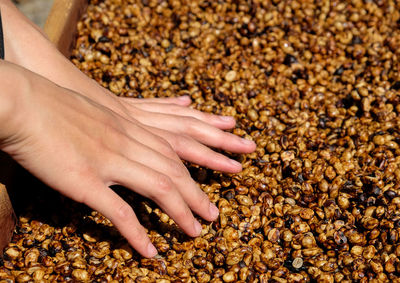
(108, 140)
(190, 131)
(80, 148)
(187, 130)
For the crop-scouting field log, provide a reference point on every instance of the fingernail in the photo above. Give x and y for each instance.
(213, 211)
(151, 250)
(226, 118)
(247, 142)
(184, 97)
(235, 163)
(197, 227)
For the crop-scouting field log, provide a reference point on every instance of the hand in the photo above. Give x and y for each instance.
(94, 139)
(80, 148)
(187, 130)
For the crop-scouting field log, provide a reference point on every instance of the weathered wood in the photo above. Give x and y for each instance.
(61, 23)
(7, 218)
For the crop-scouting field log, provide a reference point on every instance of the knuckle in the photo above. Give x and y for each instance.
(82, 197)
(176, 140)
(112, 139)
(166, 147)
(190, 124)
(184, 215)
(205, 116)
(124, 212)
(120, 139)
(202, 202)
(109, 129)
(177, 109)
(180, 141)
(137, 233)
(85, 196)
(164, 142)
(177, 170)
(163, 184)
(221, 138)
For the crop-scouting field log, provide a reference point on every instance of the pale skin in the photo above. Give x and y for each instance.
(80, 139)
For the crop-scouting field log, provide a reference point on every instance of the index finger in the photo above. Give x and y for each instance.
(121, 214)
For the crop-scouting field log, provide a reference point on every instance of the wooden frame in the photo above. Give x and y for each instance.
(8, 169)
(7, 218)
(61, 23)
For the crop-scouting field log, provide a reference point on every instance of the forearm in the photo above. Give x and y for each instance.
(26, 45)
(20, 35)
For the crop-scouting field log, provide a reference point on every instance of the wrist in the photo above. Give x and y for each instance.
(13, 86)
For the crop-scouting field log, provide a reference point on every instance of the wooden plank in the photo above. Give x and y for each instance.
(7, 218)
(8, 169)
(61, 23)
